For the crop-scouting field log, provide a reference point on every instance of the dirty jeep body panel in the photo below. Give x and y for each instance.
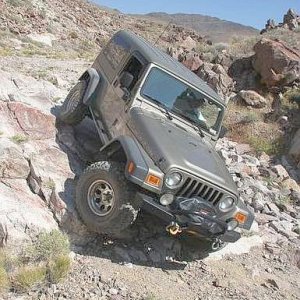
(171, 147)
(157, 143)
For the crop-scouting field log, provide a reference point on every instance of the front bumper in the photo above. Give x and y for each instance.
(197, 223)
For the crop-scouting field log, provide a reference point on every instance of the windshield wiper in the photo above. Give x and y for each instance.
(161, 105)
(196, 126)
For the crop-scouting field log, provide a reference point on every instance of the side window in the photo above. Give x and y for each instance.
(134, 67)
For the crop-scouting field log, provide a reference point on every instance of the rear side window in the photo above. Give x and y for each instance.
(115, 51)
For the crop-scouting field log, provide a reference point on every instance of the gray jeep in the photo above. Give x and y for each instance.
(158, 123)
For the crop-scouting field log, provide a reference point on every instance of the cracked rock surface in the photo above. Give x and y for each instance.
(40, 161)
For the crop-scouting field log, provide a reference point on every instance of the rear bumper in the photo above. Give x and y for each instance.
(204, 227)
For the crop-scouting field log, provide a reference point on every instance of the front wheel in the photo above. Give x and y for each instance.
(73, 110)
(105, 200)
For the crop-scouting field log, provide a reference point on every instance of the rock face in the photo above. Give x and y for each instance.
(277, 64)
(242, 72)
(291, 21)
(190, 59)
(216, 76)
(251, 98)
(38, 163)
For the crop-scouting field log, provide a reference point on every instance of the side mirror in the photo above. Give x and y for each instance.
(223, 132)
(126, 79)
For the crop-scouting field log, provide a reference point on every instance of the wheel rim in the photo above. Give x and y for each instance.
(72, 101)
(101, 197)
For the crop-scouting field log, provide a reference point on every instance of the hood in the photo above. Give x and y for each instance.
(171, 146)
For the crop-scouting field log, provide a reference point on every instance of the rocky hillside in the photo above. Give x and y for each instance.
(212, 28)
(41, 159)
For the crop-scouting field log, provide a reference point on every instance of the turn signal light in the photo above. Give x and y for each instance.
(153, 180)
(241, 218)
(131, 167)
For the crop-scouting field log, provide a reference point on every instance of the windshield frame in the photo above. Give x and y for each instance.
(219, 119)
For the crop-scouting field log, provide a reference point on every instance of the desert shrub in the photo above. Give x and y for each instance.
(48, 246)
(18, 138)
(17, 3)
(46, 260)
(250, 117)
(5, 51)
(289, 37)
(269, 146)
(221, 46)
(241, 47)
(4, 281)
(59, 268)
(292, 96)
(29, 276)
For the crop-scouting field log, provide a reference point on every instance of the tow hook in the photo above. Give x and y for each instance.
(173, 228)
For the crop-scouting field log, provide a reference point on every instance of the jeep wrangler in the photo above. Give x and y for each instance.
(158, 123)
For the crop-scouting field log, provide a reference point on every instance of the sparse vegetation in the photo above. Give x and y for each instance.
(50, 184)
(59, 268)
(269, 146)
(18, 138)
(17, 3)
(48, 246)
(29, 276)
(46, 260)
(4, 281)
(291, 98)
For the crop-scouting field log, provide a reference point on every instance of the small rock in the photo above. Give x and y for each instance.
(280, 171)
(113, 291)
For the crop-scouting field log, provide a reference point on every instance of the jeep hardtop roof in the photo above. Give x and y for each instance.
(154, 55)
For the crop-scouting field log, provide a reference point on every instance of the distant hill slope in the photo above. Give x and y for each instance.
(216, 29)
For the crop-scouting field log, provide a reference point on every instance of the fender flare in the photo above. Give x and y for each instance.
(134, 153)
(93, 78)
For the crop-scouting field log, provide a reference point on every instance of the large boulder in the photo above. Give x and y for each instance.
(188, 43)
(18, 119)
(277, 64)
(26, 89)
(216, 76)
(291, 19)
(252, 98)
(242, 72)
(37, 173)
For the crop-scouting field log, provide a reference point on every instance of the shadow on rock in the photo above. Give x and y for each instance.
(146, 242)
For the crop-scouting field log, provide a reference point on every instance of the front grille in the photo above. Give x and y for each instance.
(194, 188)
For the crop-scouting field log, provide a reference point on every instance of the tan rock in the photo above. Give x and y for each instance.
(252, 98)
(276, 63)
(188, 43)
(291, 184)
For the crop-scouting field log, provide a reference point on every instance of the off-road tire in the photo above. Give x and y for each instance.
(126, 207)
(73, 110)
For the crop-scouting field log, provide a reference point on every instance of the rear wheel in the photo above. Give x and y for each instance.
(73, 109)
(105, 200)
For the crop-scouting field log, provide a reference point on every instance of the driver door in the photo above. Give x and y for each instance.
(113, 106)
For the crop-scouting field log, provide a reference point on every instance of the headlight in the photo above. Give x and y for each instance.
(232, 224)
(173, 180)
(226, 204)
(166, 199)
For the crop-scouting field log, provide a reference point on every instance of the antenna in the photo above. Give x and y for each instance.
(162, 33)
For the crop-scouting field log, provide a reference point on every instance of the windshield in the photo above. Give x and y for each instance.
(183, 100)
